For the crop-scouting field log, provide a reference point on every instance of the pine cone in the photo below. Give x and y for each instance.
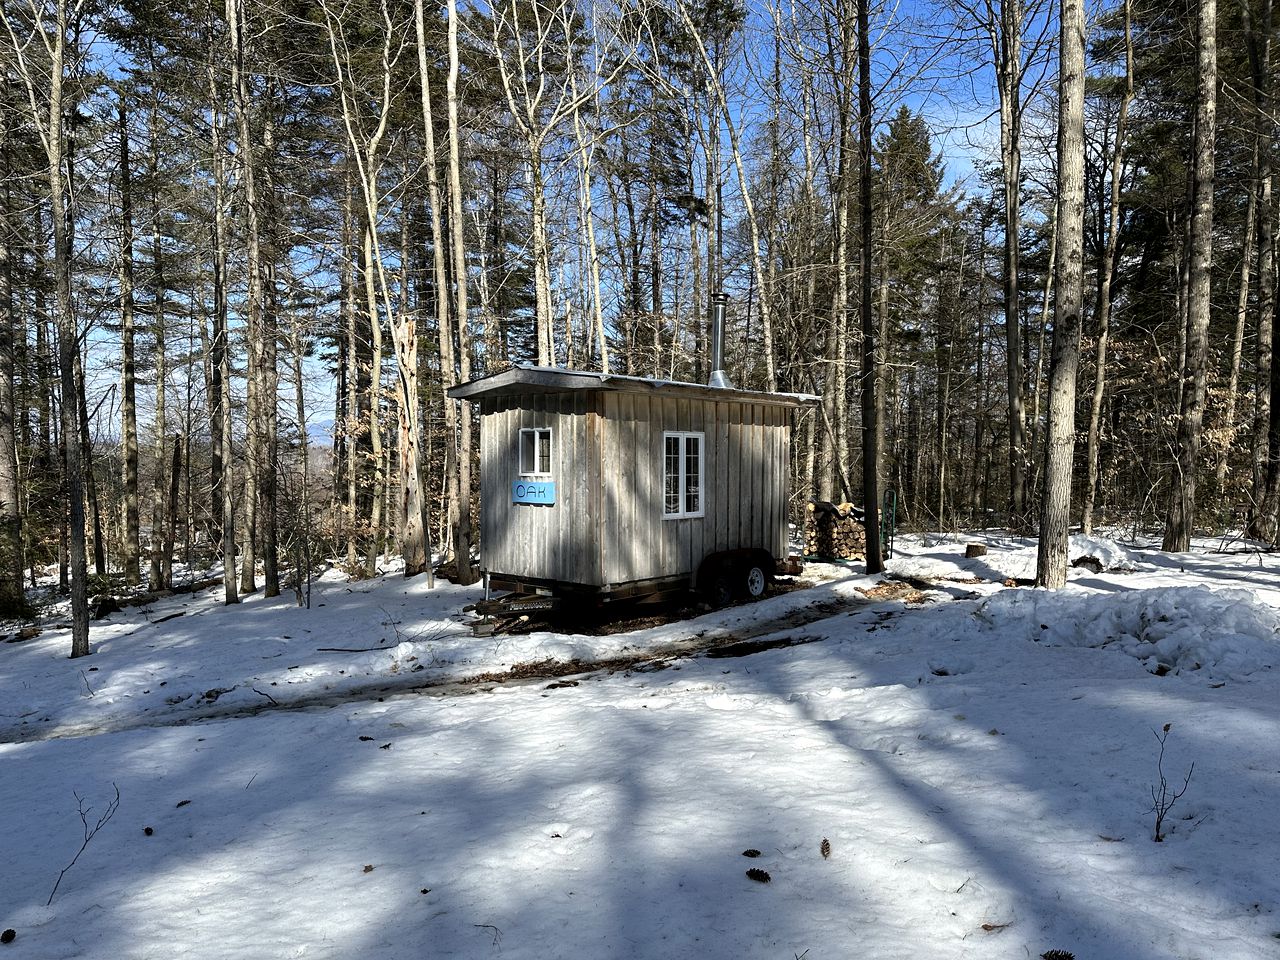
(1057, 955)
(825, 849)
(758, 875)
(753, 852)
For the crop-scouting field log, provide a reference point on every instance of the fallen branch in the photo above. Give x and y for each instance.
(273, 700)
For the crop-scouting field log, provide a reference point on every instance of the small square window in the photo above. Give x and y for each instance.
(535, 452)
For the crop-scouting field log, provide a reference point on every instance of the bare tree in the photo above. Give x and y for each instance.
(1055, 510)
(258, 385)
(535, 50)
(457, 236)
(1266, 432)
(220, 354)
(367, 151)
(1106, 270)
(128, 382)
(871, 405)
(1006, 41)
(1013, 54)
(12, 599)
(44, 85)
(1182, 508)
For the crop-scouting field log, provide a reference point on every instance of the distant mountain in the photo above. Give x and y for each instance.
(320, 431)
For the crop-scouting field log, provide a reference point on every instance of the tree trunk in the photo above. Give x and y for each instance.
(1107, 270)
(68, 343)
(375, 407)
(246, 155)
(128, 393)
(1007, 40)
(870, 360)
(220, 403)
(12, 562)
(587, 215)
(90, 480)
(1055, 512)
(440, 273)
(1229, 427)
(1037, 461)
(171, 507)
(302, 556)
(352, 427)
(462, 531)
(1182, 509)
(539, 250)
(158, 321)
(1266, 445)
(269, 391)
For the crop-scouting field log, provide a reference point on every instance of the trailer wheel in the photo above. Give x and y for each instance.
(718, 586)
(755, 580)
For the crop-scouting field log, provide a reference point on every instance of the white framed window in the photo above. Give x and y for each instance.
(682, 463)
(535, 452)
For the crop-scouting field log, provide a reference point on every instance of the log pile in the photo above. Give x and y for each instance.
(834, 531)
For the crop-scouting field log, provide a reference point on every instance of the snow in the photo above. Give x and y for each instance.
(1225, 633)
(984, 782)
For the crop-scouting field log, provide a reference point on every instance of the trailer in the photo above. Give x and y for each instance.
(596, 487)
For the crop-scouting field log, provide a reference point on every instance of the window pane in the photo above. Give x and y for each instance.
(526, 451)
(544, 451)
(671, 476)
(692, 456)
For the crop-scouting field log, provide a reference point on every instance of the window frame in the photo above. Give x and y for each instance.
(682, 476)
(550, 439)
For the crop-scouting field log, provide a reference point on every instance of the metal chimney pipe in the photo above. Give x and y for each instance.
(719, 304)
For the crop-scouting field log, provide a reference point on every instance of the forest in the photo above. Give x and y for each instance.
(1024, 252)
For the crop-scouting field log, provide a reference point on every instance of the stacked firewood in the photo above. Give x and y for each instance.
(834, 530)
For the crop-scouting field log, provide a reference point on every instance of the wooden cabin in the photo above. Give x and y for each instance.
(617, 486)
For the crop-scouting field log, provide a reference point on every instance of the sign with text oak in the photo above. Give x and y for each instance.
(533, 491)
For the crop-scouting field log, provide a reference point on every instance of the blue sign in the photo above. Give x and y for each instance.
(533, 491)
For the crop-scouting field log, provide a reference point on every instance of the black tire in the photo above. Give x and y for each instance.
(719, 588)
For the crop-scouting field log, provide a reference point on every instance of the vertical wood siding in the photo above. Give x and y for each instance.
(607, 524)
(555, 542)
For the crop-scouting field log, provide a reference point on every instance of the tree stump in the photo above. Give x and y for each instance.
(975, 550)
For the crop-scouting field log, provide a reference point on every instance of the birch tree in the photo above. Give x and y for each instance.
(744, 185)
(535, 47)
(40, 58)
(368, 153)
(457, 245)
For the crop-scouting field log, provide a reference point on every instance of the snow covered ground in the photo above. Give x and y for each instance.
(981, 765)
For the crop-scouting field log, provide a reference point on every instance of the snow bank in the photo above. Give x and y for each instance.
(1110, 554)
(1225, 633)
(1006, 558)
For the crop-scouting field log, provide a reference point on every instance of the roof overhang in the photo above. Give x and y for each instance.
(525, 379)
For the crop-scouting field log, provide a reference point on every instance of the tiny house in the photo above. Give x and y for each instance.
(603, 486)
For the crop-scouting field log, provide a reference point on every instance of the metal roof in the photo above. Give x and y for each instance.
(524, 379)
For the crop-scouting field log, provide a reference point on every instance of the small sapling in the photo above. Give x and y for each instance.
(1163, 795)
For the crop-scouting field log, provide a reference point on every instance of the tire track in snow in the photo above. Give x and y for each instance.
(741, 642)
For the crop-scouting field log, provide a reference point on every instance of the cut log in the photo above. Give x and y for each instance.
(975, 550)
